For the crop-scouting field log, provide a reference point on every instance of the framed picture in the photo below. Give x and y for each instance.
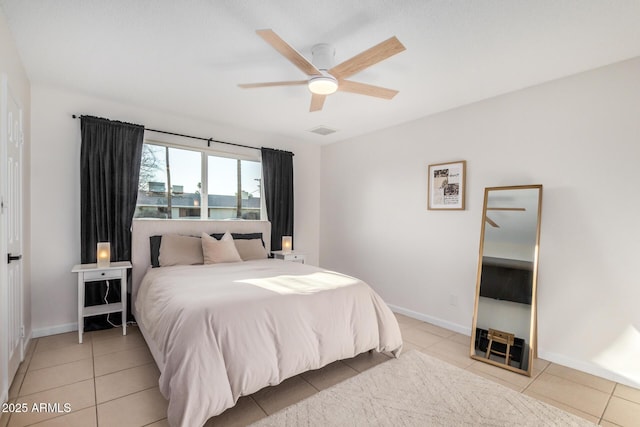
(447, 186)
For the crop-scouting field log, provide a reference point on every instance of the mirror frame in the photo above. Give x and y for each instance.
(533, 330)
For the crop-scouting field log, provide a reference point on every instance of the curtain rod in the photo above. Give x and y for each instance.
(209, 140)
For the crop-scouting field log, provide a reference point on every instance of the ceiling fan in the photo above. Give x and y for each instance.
(324, 77)
(492, 222)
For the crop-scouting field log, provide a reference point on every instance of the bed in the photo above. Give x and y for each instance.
(221, 331)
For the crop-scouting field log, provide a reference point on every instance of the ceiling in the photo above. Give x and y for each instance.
(187, 57)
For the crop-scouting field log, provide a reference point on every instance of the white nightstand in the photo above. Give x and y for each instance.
(289, 256)
(88, 273)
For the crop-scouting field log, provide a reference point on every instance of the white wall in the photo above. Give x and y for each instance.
(18, 82)
(580, 138)
(55, 197)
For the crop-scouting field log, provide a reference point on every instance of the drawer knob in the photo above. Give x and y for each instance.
(102, 274)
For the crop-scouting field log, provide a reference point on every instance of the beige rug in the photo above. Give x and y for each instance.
(419, 390)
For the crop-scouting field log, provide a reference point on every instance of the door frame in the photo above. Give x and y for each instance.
(4, 295)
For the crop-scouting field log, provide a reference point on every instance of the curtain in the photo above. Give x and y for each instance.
(277, 174)
(109, 171)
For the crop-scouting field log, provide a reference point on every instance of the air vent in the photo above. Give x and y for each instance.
(323, 130)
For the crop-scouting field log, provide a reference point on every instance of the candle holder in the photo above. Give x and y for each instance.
(286, 244)
(103, 254)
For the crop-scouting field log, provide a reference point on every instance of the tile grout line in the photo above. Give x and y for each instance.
(129, 394)
(53, 388)
(144, 344)
(259, 406)
(536, 378)
(308, 382)
(60, 364)
(607, 405)
(124, 369)
(582, 384)
(95, 388)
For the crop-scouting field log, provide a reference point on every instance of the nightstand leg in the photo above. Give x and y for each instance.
(80, 306)
(123, 298)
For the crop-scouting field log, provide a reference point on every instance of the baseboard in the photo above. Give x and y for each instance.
(465, 330)
(587, 367)
(25, 342)
(53, 330)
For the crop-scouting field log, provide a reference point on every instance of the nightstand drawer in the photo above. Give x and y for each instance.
(289, 256)
(92, 276)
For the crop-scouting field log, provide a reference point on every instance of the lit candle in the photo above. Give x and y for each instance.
(286, 244)
(104, 254)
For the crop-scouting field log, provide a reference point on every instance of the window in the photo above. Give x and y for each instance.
(229, 178)
(171, 185)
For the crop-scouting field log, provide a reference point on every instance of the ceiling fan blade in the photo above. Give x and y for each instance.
(317, 101)
(270, 84)
(507, 209)
(491, 222)
(366, 89)
(288, 52)
(366, 59)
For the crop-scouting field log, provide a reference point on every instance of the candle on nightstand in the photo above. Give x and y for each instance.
(103, 254)
(286, 244)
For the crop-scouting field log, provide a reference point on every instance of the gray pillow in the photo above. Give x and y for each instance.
(180, 250)
(251, 249)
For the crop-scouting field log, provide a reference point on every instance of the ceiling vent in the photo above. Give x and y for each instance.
(323, 130)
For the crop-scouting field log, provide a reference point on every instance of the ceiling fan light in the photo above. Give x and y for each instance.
(323, 85)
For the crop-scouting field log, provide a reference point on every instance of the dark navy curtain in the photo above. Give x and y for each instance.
(109, 172)
(277, 174)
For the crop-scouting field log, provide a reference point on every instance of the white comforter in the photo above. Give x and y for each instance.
(228, 330)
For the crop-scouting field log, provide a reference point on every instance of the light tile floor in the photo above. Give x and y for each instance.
(112, 380)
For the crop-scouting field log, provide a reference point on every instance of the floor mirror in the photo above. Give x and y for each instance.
(504, 320)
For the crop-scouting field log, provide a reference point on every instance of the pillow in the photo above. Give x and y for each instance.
(179, 250)
(219, 251)
(154, 250)
(240, 236)
(251, 249)
(155, 241)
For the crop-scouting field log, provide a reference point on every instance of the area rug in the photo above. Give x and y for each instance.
(419, 390)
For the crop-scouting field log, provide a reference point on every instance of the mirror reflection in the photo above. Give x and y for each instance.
(504, 320)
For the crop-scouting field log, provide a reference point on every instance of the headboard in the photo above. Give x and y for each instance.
(143, 228)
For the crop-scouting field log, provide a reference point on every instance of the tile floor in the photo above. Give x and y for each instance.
(112, 380)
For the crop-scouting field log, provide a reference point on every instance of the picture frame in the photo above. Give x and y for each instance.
(446, 186)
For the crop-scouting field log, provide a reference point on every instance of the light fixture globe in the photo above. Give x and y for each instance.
(323, 85)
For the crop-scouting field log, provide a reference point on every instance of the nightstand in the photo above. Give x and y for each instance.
(289, 256)
(89, 273)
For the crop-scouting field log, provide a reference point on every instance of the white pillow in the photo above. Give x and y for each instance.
(219, 251)
(179, 250)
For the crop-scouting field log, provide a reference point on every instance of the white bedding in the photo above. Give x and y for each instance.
(228, 330)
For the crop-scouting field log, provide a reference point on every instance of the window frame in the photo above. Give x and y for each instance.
(205, 152)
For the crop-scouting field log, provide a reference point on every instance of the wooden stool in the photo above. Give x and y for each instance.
(499, 337)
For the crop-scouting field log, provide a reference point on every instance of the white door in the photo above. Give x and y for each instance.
(11, 208)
